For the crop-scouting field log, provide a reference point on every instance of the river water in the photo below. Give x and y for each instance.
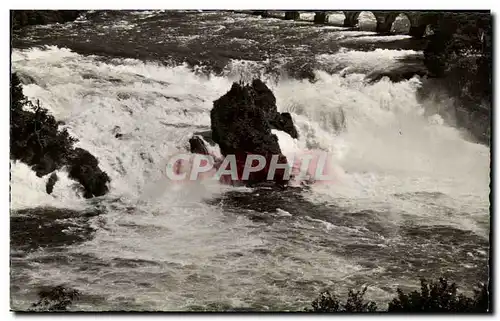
(410, 197)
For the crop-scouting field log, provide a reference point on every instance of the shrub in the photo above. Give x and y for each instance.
(55, 299)
(330, 303)
(461, 47)
(439, 297)
(34, 135)
(436, 297)
(36, 140)
(460, 52)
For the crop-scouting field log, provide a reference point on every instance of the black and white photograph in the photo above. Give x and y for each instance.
(250, 161)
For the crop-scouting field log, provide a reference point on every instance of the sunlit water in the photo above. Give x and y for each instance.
(409, 198)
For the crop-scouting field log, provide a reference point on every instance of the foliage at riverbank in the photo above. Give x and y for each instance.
(436, 297)
(35, 139)
(460, 53)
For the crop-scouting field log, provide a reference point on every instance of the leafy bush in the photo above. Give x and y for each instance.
(34, 135)
(439, 296)
(36, 140)
(461, 47)
(327, 302)
(460, 53)
(55, 299)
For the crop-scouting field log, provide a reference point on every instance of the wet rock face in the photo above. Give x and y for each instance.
(197, 146)
(239, 125)
(241, 122)
(49, 187)
(247, 113)
(84, 168)
(284, 122)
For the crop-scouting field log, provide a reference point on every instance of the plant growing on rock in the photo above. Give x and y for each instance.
(34, 135)
(35, 139)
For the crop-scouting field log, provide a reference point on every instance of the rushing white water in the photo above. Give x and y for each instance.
(391, 147)
(388, 152)
(365, 62)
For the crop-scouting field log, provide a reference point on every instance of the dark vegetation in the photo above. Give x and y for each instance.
(326, 302)
(436, 297)
(459, 53)
(56, 299)
(22, 18)
(35, 139)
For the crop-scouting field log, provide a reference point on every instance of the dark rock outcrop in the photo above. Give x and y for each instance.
(239, 125)
(241, 122)
(266, 101)
(284, 122)
(84, 168)
(44, 166)
(49, 187)
(197, 146)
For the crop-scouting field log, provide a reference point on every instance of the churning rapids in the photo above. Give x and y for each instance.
(410, 198)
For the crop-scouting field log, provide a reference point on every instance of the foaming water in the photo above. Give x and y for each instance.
(401, 173)
(28, 190)
(363, 62)
(377, 38)
(391, 150)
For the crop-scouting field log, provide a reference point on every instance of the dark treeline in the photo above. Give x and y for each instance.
(459, 54)
(35, 139)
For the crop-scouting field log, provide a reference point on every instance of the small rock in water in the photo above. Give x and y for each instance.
(84, 168)
(49, 187)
